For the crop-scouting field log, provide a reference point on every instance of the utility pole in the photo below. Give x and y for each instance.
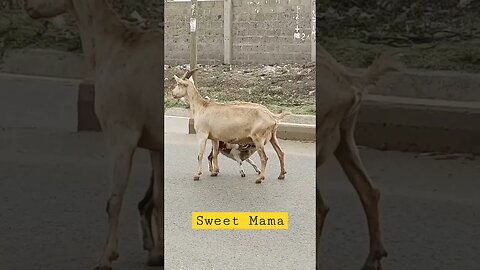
(193, 38)
(227, 31)
(313, 34)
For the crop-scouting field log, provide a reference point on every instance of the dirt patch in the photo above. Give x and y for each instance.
(278, 87)
(447, 55)
(17, 30)
(433, 35)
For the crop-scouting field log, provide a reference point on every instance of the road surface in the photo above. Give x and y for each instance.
(53, 188)
(187, 249)
(430, 212)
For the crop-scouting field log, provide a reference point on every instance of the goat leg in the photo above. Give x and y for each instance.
(215, 150)
(321, 214)
(250, 161)
(349, 158)
(263, 159)
(145, 207)
(242, 173)
(280, 154)
(121, 163)
(202, 141)
(210, 163)
(156, 254)
(240, 164)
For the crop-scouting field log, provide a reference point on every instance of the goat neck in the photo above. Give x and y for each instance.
(196, 101)
(100, 26)
(80, 12)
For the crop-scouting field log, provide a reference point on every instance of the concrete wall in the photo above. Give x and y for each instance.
(263, 31)
(445, 85)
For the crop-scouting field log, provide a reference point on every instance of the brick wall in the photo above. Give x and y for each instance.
(263, 31)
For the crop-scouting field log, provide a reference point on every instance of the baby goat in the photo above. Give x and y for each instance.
(235, 123)
(237, 152)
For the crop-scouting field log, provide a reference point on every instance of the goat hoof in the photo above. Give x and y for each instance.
(281, 177)
(372, 267)
(155, 261)
(196, 178)
(114, 256)
(382, 253)
(214, 174)
(375, 264)
(155, 258)
(259, 180)
(242, 174)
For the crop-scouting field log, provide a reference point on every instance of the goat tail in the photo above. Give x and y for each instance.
(385, 63)
(282, 115)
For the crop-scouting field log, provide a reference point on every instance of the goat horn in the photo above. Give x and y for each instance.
(189, 73)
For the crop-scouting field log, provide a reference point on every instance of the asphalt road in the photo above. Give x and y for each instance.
(53, 190)
(253, 249)
(38, 102)
(430, 212)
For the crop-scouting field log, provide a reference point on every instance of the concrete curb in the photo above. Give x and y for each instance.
(419, 125)
(385, 122)
(87, 121)
(43, 62)
(293, 127)
(286, 131)
(294, 119)
(448, 85)
(388, 123)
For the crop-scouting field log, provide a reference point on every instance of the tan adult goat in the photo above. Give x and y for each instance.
(236, 123)
(339, 96)
(127, 65)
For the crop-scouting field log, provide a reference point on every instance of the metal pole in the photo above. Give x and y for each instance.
(193, 38)
(227, 31)
(313, 35)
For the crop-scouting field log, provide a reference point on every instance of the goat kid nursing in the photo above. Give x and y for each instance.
(235, 123)
(237, 152)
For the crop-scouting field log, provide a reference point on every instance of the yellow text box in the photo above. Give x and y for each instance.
(240, 220)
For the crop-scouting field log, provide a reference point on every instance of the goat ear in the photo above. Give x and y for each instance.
(180, 81)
